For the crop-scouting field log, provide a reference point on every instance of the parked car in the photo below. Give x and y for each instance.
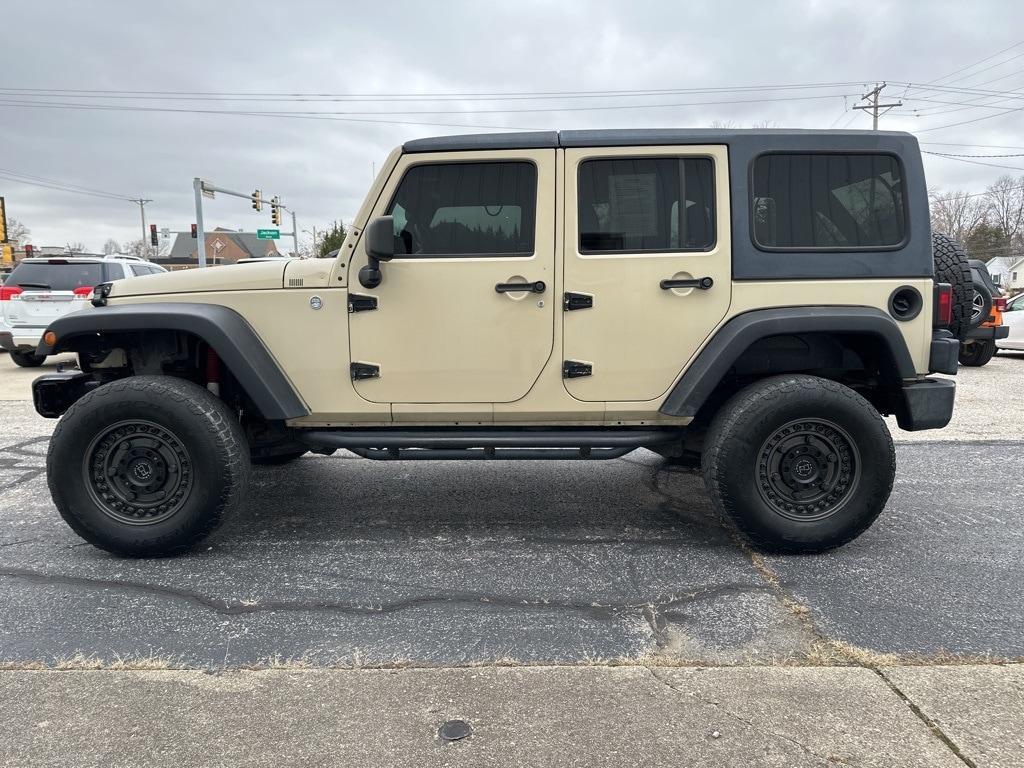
(759, 298)
(1013, 320)
(40, 290)
(985, 328)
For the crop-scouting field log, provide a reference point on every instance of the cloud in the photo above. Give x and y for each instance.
(323, 167)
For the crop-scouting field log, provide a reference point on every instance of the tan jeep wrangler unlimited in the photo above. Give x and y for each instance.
(759, 297)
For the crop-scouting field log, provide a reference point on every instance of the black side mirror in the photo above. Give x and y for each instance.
(380, 246)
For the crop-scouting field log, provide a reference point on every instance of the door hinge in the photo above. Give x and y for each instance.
(357, 302)
(364, 371)
(574, 369)
(571, 301)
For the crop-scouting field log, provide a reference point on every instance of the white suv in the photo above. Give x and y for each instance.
(39, 290)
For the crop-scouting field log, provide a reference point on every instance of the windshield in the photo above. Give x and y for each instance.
(56, 277)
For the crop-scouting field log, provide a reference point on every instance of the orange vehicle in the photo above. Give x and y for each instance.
(986, 323)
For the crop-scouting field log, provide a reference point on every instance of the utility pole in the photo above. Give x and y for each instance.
(874, 106)
(141, 202)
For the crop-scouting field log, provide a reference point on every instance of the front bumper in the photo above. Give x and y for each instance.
(926, 404)
(988, 333)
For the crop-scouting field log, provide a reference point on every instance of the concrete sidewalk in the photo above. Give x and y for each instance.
(519, 716)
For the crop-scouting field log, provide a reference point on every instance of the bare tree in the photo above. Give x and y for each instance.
(142, 248)
(111, 246)
(76, 247)
(17, 232)
(1006, 205)
(958, 213)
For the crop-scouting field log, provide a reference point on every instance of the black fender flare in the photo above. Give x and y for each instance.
(225, 330)
(736, 336)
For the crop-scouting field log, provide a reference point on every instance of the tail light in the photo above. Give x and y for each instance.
(6, 294)
(83, 291)
(999, 303)
(943, 304)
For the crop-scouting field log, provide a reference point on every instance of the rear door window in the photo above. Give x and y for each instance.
(646, 204)
(55, 276)
(842, 202)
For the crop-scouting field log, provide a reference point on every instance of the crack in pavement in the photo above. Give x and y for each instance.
(831, 759)
(599, 611)
(924, 718)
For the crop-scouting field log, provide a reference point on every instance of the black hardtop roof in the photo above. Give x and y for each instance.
(638, 137)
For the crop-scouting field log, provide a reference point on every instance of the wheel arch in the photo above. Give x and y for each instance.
(227, 332)
(864, 331)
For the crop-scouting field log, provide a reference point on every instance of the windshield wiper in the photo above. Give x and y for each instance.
(35, 285)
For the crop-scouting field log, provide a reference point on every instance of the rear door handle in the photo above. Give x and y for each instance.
(700, 283)
(537, 287)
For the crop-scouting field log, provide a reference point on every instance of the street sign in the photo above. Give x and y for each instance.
(218, 246)
(268, 234)
(165, 232)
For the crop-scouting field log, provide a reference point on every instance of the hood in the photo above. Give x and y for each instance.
(228, 277)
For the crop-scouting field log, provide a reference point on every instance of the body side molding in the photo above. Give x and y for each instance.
(225, 330)
(732, 340)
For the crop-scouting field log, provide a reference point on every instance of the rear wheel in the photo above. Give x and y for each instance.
(800, 463)
(977, 353)
(147, 465)
(27, 359)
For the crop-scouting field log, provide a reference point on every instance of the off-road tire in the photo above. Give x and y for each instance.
(190, 441)
(27, 359)
(976, 353)
(951, 267)
(799, 413)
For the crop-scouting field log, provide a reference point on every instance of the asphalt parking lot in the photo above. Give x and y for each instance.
(344, 561)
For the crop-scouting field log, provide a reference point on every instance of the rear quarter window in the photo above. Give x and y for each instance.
(828, 202)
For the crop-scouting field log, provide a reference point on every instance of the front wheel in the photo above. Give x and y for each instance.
(799, 463)
(147, 465)
(27, 359)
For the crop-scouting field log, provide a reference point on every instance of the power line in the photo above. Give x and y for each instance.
(982, 146)
(969, 122)
(980, 61)
(483, 96)
(993, 66)
(972, 162)
(38, 181)
(604, 107)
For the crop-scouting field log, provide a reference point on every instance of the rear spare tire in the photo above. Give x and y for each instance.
(951, 267)
(981, 303)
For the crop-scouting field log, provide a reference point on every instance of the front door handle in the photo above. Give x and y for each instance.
(700, 283)
(537, 287)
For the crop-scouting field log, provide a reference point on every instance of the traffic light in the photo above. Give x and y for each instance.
(30, 250)
(3, 221)
(257, 200)
(152, 235)
(275, 211)
(194, 233)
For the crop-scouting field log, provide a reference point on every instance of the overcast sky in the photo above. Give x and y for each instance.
(322, 166)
